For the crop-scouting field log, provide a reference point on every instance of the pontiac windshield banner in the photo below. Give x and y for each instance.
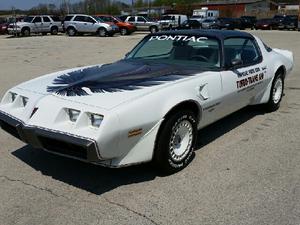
(177, 38)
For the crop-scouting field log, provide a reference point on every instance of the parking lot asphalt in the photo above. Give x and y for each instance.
(246, 169)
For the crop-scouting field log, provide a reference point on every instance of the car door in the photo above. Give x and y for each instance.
(46, 24)
(80, 23)
(37, 24)
(141, 23)
(243, 74)
(90, 24)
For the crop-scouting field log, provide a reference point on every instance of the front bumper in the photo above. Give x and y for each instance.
(113, 31)
(50, 140)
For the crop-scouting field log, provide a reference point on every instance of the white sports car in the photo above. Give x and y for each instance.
(149, 105)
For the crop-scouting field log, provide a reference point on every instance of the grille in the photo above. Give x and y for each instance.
(63, 147)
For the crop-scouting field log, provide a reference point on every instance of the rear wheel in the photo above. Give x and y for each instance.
(54, 31)
(71, 31)
(276, 93)
(175, 142)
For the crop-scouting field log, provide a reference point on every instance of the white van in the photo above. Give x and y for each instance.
(170, 21)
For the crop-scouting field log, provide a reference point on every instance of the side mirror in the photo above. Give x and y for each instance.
(236, 62)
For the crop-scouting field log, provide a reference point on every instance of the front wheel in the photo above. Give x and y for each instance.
(276, 93)
(102, 32)
(175, 142)
(123, 31)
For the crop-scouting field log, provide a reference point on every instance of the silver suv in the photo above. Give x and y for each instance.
(143, 23)
(81, 24)
(36, 24)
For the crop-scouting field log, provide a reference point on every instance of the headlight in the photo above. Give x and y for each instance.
(96, 120)
(73, 114)
(13, 96)
(24, 100)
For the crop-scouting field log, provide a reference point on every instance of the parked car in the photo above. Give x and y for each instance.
(189, 24)
(36, 24)
(266, 24)
(143, 23)
(83, 24)
(148, 106)
(288, 22)
(170, 21)
(125, 28)
(248, 22)
(210, 24)
(229, 23)
(3, 25)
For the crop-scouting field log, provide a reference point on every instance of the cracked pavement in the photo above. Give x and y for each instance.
(246, 171)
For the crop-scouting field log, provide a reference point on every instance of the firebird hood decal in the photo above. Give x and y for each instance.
(124, 75)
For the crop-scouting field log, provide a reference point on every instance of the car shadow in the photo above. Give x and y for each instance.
(98, 180)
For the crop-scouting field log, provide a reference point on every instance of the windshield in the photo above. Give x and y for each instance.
(182, 50)
(98, 19)
(28, 19)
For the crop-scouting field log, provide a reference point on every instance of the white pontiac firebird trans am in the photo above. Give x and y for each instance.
(149, 105)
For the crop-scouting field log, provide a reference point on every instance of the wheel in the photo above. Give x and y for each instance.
(153, 29)
(54, 31)
(123, 31)
(71, 31)
(102, 32)
(276, 93)
(25, 32)
(175, 142)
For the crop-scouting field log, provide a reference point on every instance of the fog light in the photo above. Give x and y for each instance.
(73, 115)
(96, 120)
(24, 100)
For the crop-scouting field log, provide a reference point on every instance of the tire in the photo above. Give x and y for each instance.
(175, 142)
(276, 93)
(102, 32)
(25, 32)
(153, 29)
(123, 31)
(71, 31)
(54, 31)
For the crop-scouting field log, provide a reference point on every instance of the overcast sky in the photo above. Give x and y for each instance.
(26, 4)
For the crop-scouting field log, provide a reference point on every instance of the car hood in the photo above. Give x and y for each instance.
(109, 85)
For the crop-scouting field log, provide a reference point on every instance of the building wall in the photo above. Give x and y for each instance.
(228, 10)
(263, 6)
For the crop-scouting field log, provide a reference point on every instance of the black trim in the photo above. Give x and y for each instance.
(52, 141)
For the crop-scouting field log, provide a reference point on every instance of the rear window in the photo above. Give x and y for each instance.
(68, 18)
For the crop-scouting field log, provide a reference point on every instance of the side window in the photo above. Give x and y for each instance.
(79, 18)
(37, 20)
(243, 49)
(89, 19)
(46, 19)
(131, 19)
(141, 19)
